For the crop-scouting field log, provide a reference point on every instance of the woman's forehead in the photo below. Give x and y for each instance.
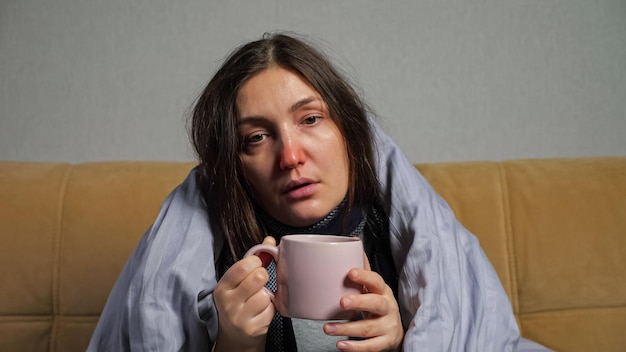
(277, 88)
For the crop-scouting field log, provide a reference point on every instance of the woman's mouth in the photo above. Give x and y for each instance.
(300, 189)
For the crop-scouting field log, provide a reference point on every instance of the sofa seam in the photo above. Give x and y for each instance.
(56, 278)
(44, 316)
(510, 242)
(576, 312)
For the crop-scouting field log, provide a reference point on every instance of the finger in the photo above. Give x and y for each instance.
(258, 324)
(372, 281)
(248, 320)
(380, 343)
(239, 271)
(368, 302)
(258, 302)
(360, 328)
(251, 284)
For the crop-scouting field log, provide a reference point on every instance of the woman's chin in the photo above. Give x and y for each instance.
(301, 219)
(302, 214)
(301, 222)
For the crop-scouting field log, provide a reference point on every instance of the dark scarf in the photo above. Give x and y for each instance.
(371, 225)
(335, 223)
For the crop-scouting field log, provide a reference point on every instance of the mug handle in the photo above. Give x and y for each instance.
(273, 251)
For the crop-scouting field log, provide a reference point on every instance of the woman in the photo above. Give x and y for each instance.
(296, 159)
(285, 146)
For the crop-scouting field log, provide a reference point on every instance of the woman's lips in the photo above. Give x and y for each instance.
(300, 188)
(302, 191)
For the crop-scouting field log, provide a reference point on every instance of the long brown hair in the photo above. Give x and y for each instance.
(217, 143)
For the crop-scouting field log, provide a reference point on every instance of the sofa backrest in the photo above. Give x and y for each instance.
(554, 229)
(65, 233)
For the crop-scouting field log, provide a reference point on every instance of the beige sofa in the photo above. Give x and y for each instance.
(554, 229)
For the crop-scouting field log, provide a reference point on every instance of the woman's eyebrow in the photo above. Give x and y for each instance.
(260, 119)
(251, 120)
(304, 101)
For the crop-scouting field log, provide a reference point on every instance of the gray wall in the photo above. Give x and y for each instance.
(450, 80)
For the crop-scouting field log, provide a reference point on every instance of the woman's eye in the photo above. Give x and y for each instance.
(310, 120)
(256, 138)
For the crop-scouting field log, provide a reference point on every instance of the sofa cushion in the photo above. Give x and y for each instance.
(555, 231)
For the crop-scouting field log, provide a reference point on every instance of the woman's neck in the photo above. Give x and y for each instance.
(337, 222)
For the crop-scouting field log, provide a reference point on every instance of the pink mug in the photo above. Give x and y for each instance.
(311, 274)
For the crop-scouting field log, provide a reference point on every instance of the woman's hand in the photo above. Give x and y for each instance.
(244, 307)
(381, 326)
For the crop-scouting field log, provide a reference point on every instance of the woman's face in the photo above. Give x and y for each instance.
(294, 156)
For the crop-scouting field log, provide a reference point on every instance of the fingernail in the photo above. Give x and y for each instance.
(342, 345)
(354, 274)
(347, 302)
(330, 328)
